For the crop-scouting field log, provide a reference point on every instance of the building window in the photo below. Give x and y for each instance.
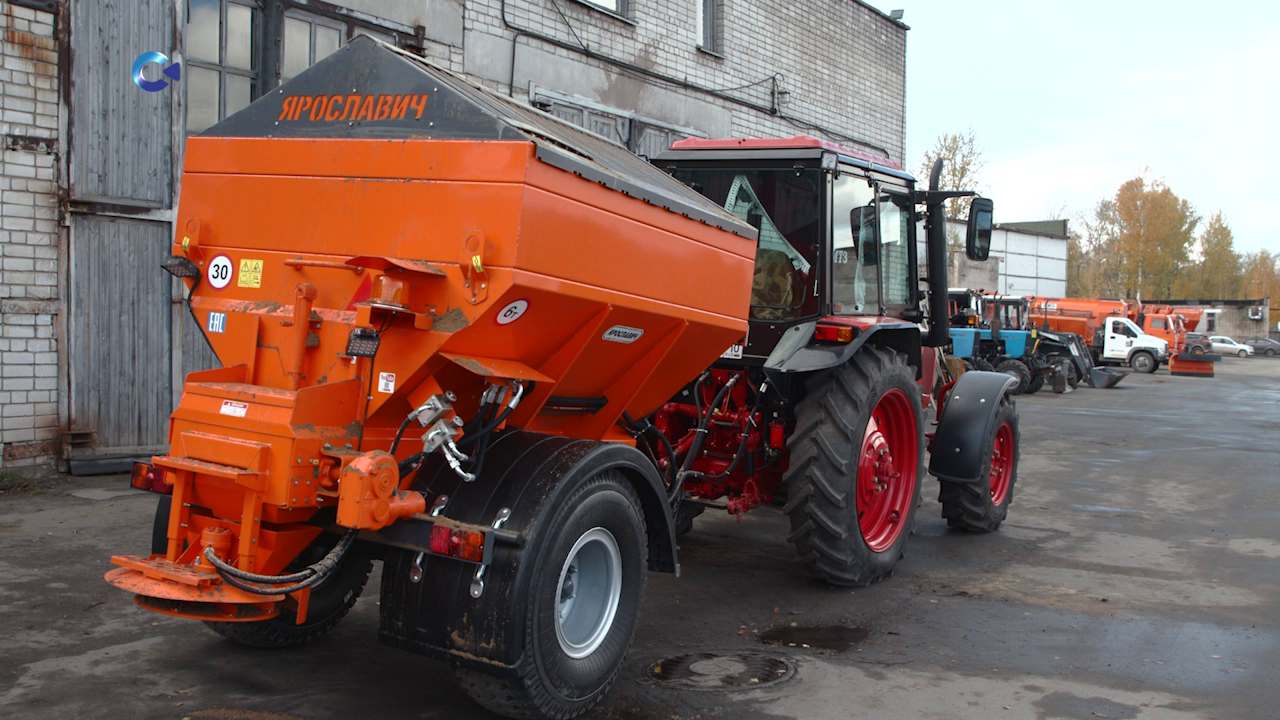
(617, 7)
(222, 60)
(307, 40)
(708, 24)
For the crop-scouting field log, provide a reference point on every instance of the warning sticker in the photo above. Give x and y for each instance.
(250, 274)
(386, 382)
(234, 409)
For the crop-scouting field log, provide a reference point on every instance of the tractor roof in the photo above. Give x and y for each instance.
(799, 146)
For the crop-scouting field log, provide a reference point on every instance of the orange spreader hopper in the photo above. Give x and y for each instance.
(378, 233)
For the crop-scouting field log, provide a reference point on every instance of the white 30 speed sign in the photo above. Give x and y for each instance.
(220, 272)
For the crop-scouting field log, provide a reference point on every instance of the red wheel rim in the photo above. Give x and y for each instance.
(1001, 463)
(887, 468)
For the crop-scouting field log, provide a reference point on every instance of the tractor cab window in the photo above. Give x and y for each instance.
(871, 247)
(1157, 323)
(895, 261)
(785, 205)
(855, 280)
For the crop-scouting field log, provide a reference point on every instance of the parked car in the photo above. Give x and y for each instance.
(1227, 346)
(1197, 343)
(1264, 346)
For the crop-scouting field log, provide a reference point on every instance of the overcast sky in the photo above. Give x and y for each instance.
(1069, 100)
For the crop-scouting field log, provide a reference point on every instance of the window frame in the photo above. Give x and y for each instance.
(345, 33)
(256, 56)
(708, 15)
(621, 13)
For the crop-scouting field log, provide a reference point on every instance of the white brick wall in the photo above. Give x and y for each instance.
(28, 238)
(843, 63)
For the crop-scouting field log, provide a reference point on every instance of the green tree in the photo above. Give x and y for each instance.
(1217, 274)
(1155, 234)
(1093, 259)
(962, 165)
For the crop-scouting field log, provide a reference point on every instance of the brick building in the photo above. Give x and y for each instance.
(29, 271)
(94, 340)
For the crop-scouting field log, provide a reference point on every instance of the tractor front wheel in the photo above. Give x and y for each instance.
(856, 457)
(588, 586)
(982, 506)
(1018, 371)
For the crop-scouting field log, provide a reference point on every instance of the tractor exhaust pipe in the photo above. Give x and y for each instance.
(939, 326)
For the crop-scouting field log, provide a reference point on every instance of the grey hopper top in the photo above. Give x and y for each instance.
(371, 90)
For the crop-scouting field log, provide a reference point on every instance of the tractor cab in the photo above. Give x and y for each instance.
(837, 230)
(1007, 312)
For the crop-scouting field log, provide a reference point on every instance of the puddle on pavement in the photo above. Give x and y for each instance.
(831, 637)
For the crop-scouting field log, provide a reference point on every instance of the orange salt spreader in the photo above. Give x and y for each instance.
(391, 264)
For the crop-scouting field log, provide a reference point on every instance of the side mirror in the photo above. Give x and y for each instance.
(977, 241)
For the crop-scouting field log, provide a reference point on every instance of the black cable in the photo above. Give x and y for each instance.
(671, 452)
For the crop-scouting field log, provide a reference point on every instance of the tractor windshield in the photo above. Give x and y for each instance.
(785, 205)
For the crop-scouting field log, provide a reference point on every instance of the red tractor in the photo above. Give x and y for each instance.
(822, 402)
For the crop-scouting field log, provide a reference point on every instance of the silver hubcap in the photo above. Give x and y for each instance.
(590, 587)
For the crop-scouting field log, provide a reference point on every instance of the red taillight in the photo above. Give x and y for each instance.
(462, 544)
(150, 478)
(833, 333)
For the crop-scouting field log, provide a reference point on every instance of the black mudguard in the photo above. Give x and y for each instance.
(797, 353)
(531, 474)
(959, 446)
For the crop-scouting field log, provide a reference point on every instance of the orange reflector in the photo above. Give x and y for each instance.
(462, 544)
(833, 333)
(150, 478)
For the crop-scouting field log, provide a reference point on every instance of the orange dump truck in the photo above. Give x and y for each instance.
(509, 360)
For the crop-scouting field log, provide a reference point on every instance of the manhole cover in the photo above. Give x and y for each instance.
(721, 671)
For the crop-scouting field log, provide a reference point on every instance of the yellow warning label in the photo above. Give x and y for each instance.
(250, 275)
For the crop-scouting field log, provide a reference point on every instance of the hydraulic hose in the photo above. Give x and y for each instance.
(306, 577)
(696, 448)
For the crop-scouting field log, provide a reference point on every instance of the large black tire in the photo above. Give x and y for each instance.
(824, 502)
(1018, 371)
(160, 526)
(1144, 362)
(550, 682)
(331, 600)
(973, 506)
(1034, 383)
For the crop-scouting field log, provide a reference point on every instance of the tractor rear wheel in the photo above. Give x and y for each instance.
(856, 458)
(982, 506)
(331, 600)
(588, 586)
(1018, 371)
